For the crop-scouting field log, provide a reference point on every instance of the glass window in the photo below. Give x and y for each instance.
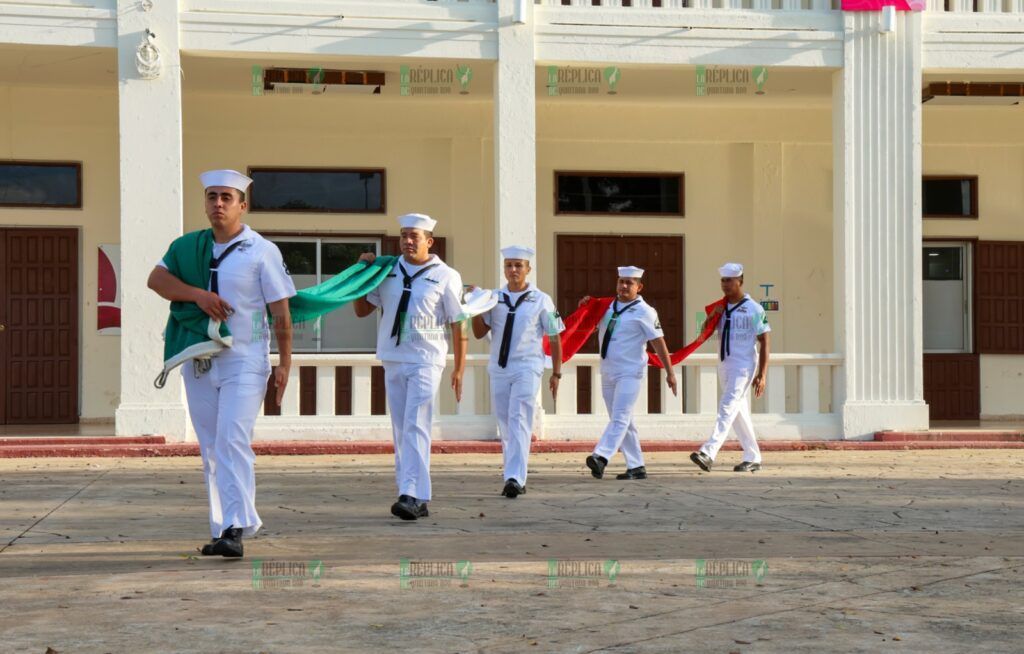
(942, 263)
(950, 197)
(619, 193)
(40, 184)
(317, 190)
(311, 261)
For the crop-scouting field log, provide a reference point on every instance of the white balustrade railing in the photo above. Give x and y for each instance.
(797, 402)
(759, 5)
(945, 6)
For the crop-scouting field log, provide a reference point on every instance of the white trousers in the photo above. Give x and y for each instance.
(734, 412)
(514, 397)
(411, 388)
(620, 394)
(223, 404)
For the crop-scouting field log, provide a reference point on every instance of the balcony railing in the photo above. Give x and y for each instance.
(797, 403)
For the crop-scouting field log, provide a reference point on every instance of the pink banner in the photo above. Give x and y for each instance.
(876, 5)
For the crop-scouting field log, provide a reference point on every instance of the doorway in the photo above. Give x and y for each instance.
(38, 326)
(952, 386)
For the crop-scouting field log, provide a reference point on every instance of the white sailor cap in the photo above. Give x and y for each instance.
(417, 221)
(731, 270)
(631, 271)
(229, 178)
(518, 252)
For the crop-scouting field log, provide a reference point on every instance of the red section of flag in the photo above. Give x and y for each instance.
(713, 313)
(582, 323)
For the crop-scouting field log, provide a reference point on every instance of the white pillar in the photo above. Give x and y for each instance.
(877, 231)
(151, 214)
(515, 133)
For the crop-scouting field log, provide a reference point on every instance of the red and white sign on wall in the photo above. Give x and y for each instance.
(108, 291)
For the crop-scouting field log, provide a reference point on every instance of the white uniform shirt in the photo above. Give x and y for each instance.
(627, 350)
(748, 322)
(535, 318)
(250, 278)
(434, 303)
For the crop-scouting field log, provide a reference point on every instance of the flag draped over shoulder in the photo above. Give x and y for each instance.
(582, 323)
(191, 334)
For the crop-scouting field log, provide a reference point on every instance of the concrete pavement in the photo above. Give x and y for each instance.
(911, 551)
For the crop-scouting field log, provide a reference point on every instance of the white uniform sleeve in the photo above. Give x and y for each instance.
(487, 317)
(161, 264)
(652, 326)
(275, 281)
(552, 320)
(762, 326)
(373, 297)
(451, 298)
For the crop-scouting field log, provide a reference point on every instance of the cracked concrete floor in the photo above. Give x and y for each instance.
(820, 552)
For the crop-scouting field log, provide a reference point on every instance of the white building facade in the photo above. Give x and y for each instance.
(868, 171)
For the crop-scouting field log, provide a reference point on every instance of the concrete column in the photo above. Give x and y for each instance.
(515, 133)
(151, 212)
(877, 234)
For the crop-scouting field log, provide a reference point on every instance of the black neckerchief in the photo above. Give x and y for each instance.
(616, 312)
(215, 264)
(403, 302)
(726, 330)
(506, 335)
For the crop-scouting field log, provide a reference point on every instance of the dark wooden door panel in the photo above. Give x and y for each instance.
(586, 265)
(999, 301)
(40, 353)
(952, 386)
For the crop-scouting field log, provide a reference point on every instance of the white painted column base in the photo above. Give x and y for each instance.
(861, 420)
(168, 420)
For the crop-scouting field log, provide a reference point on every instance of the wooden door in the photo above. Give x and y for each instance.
(586, 265)
(39, 314)
(952, 386)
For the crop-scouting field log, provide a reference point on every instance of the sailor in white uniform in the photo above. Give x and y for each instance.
(519, 322)
(742, 365)
(629, 325)
(419, 300)
(247, 275)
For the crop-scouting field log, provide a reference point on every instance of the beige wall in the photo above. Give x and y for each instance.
(74, 125)
(758, 188)
(769, 206)
(989, 143)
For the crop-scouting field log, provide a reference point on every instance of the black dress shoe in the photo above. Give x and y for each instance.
(208, 548)
(513, 489)
(229, 544)
(409, 508)
(596, 464)
(638, 472)
(702, 460)
(747, 466)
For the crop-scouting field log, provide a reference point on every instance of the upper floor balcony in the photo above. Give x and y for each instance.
(978, 34)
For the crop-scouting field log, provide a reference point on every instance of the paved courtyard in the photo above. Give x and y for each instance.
(820, 552)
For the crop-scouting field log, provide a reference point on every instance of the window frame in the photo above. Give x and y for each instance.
(314, 169)
(319, 238)
(77, 165)
(612, 173)
(973, 179)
